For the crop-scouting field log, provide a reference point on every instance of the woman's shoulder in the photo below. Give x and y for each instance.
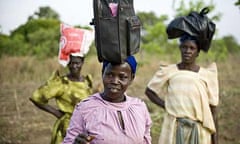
(209, 73)
(167, 67)
(90, 101)
(135, 101)
(211, 69)
(54, 79)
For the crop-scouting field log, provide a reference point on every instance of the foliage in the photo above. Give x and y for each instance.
(217, 52)
(154, 38)
(12, 46)
(44, 42)
(34, 25)
(44, 13)
(39, 36)
(185, 7)
(231, 43)
(237, 3)
(150, 18)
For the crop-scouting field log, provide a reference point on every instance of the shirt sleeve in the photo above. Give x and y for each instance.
(159, 81)
(147, 135)
(76, 126)
(212, 84)
(52, 88)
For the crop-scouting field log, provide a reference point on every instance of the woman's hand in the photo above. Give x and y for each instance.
(83, 139)
(58, 113)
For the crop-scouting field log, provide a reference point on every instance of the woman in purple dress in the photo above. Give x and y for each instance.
(111, 116)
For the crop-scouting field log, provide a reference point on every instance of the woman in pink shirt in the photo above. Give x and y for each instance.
(111, 116)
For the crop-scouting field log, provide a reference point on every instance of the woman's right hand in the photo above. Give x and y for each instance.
(58, 113)
(83, 139)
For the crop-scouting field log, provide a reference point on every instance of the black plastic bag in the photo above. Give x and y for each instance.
(195, 24)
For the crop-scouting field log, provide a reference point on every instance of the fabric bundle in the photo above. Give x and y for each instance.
(74, 41)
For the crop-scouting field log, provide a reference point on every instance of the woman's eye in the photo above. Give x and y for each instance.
(183, 47)
(193, 48)
(109, 75)
(123, 77)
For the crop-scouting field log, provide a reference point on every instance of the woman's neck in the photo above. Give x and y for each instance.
(75, 77)
(191, 67)
(117, 100)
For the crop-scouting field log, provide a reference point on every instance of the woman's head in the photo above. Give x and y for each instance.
(189, 48)
(75, 64)
(130, 60)
(117, 78)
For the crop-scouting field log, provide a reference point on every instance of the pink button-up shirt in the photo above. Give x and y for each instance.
(99, 118)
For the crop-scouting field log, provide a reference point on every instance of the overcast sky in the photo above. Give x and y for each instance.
(14, 13)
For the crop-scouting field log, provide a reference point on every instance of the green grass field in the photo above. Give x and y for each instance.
(22, 123)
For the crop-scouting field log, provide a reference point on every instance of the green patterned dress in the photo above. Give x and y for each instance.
(67, 94)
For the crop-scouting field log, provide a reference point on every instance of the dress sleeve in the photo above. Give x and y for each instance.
(147, 134)
(75, 127)
(159, 81)
(212, 84)
(89, 79)
(52, 88)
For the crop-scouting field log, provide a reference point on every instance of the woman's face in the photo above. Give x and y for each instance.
(116, 79)
(189, 51)
(75, 65)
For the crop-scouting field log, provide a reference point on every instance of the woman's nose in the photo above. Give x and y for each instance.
(115, 79)
(188, 50)
(75, 65)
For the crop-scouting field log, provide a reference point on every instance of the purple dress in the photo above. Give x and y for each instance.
(127, 122)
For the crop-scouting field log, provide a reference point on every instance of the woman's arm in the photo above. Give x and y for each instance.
(215, 135)
(154, 98)
(47, 108)
(76, 133)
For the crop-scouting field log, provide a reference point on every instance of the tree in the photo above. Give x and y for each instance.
(39, 36)
(153, 32)
(149, 18)
(231, 43)
(185, 8)
(44, 13)
(237, 3)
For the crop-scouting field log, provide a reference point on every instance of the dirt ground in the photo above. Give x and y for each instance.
(22, 123)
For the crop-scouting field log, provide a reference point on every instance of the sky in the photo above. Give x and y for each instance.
(14, 13)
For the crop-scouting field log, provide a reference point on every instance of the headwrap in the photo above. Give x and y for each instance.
(73, 41)
(130, 60)
(186, 36)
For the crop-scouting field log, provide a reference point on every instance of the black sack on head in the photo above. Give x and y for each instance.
(195, 24)
(116, 37)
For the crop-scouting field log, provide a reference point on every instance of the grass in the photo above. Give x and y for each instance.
(21, 122)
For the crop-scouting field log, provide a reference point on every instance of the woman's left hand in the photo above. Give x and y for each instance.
(83, 139)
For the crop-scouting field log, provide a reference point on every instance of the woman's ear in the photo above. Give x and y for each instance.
(198, 53)
(132, 78)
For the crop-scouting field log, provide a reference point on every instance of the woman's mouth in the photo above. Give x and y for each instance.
(114, 88)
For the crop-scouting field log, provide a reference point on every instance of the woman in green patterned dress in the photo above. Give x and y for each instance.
(67, 90)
